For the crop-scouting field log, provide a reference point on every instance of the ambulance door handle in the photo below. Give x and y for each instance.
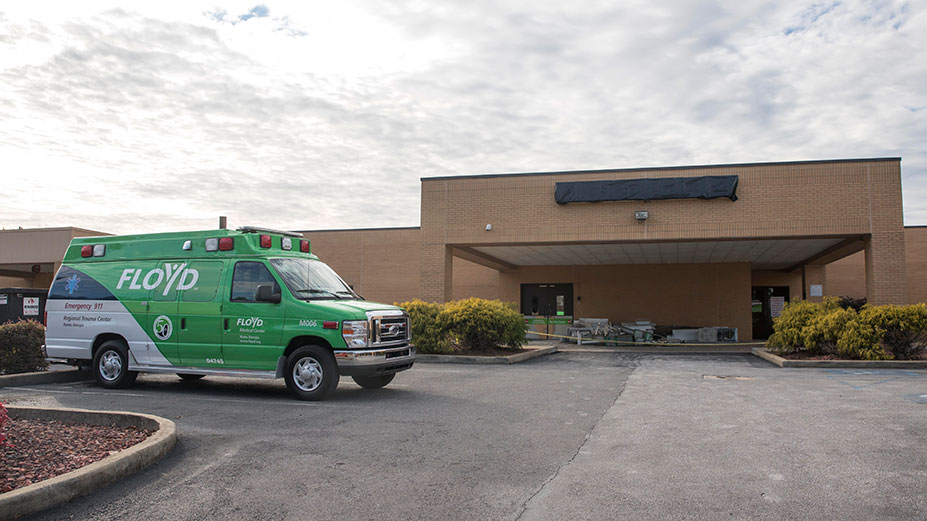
(183, 323)
(226, 324)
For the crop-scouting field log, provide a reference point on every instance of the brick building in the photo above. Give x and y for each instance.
(691, 262)
(791, 230)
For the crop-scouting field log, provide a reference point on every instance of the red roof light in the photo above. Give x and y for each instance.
(265, 241)
(304, 246)
(86, 251)
(226, 243)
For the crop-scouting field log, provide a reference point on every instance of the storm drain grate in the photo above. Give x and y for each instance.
(725, 377)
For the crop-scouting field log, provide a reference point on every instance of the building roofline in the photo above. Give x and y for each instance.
(658, 168)
(362, 229)
(916, 226)
(55, 229)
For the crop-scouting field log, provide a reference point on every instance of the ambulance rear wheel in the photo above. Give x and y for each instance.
(190, 377)
(311, 373)
(374, 382)
(111, 365)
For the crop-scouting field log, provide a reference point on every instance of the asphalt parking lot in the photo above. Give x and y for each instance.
(568, 436)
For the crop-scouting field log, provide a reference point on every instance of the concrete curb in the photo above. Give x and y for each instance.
(65, 487)
(694, 349)
(839, 364)
(462, 359)
(45, 377)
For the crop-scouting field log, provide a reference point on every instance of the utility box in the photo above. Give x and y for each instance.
(22, 304)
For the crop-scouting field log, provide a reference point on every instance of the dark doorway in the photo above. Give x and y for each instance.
(767, 304)
(547, 299)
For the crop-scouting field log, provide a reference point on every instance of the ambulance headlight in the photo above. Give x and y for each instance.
(354, 333)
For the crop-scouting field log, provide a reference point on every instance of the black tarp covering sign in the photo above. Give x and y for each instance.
(704, 187)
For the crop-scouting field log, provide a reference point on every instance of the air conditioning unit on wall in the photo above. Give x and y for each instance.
(727, 334)
(712, 335)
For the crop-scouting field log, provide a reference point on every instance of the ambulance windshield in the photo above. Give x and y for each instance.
(309, 279)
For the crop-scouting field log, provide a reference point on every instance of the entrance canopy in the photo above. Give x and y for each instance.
(763, 254)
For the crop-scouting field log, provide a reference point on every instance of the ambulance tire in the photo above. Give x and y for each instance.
(190, 377)
(111, 365)
(311, 373)
(374, 382)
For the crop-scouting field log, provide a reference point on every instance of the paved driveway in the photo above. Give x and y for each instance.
(569, 436)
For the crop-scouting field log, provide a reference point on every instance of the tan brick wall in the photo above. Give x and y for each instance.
(847, 277)
(473, 280)
(382, 265)
(668, 294)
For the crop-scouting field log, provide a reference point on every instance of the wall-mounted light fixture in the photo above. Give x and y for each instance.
(488, 227)
(641, 215)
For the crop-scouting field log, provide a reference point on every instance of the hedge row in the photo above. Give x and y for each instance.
(872, 333)
(21, 347)
(470, 324)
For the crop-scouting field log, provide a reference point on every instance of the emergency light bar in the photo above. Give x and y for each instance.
(96, 250)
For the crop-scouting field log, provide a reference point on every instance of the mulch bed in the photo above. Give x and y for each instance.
(41, 449)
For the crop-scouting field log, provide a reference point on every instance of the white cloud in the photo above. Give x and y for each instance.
(308, 116)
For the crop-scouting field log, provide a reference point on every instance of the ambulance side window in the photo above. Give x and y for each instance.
(247, 277)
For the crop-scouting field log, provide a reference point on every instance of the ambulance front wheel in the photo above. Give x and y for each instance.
(311, 373)
(111, 365)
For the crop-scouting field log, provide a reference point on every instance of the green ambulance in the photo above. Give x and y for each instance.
(251, 303)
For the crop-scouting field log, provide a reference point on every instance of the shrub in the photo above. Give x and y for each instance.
(481, 324)
(905, 328)
(873, 333)
(823, 331)
(21, 347)
(788, 327)
(427, 336)
(862, 340)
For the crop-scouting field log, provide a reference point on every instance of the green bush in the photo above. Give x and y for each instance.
(904, 327)
(788, 328)
(873, 333)
(426, 335)
(823, 332)
(861, 340)
(480, 324)
(21, 347)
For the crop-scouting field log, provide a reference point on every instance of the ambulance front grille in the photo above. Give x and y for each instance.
(389, 330)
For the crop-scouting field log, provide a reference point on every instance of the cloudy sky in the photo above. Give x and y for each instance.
(310, 115)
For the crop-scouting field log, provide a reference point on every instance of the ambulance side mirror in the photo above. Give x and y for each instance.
(265, 293)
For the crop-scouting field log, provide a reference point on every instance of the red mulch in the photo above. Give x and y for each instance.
(42, 449)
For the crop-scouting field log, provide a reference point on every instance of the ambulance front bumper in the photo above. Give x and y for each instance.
(371, 362)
